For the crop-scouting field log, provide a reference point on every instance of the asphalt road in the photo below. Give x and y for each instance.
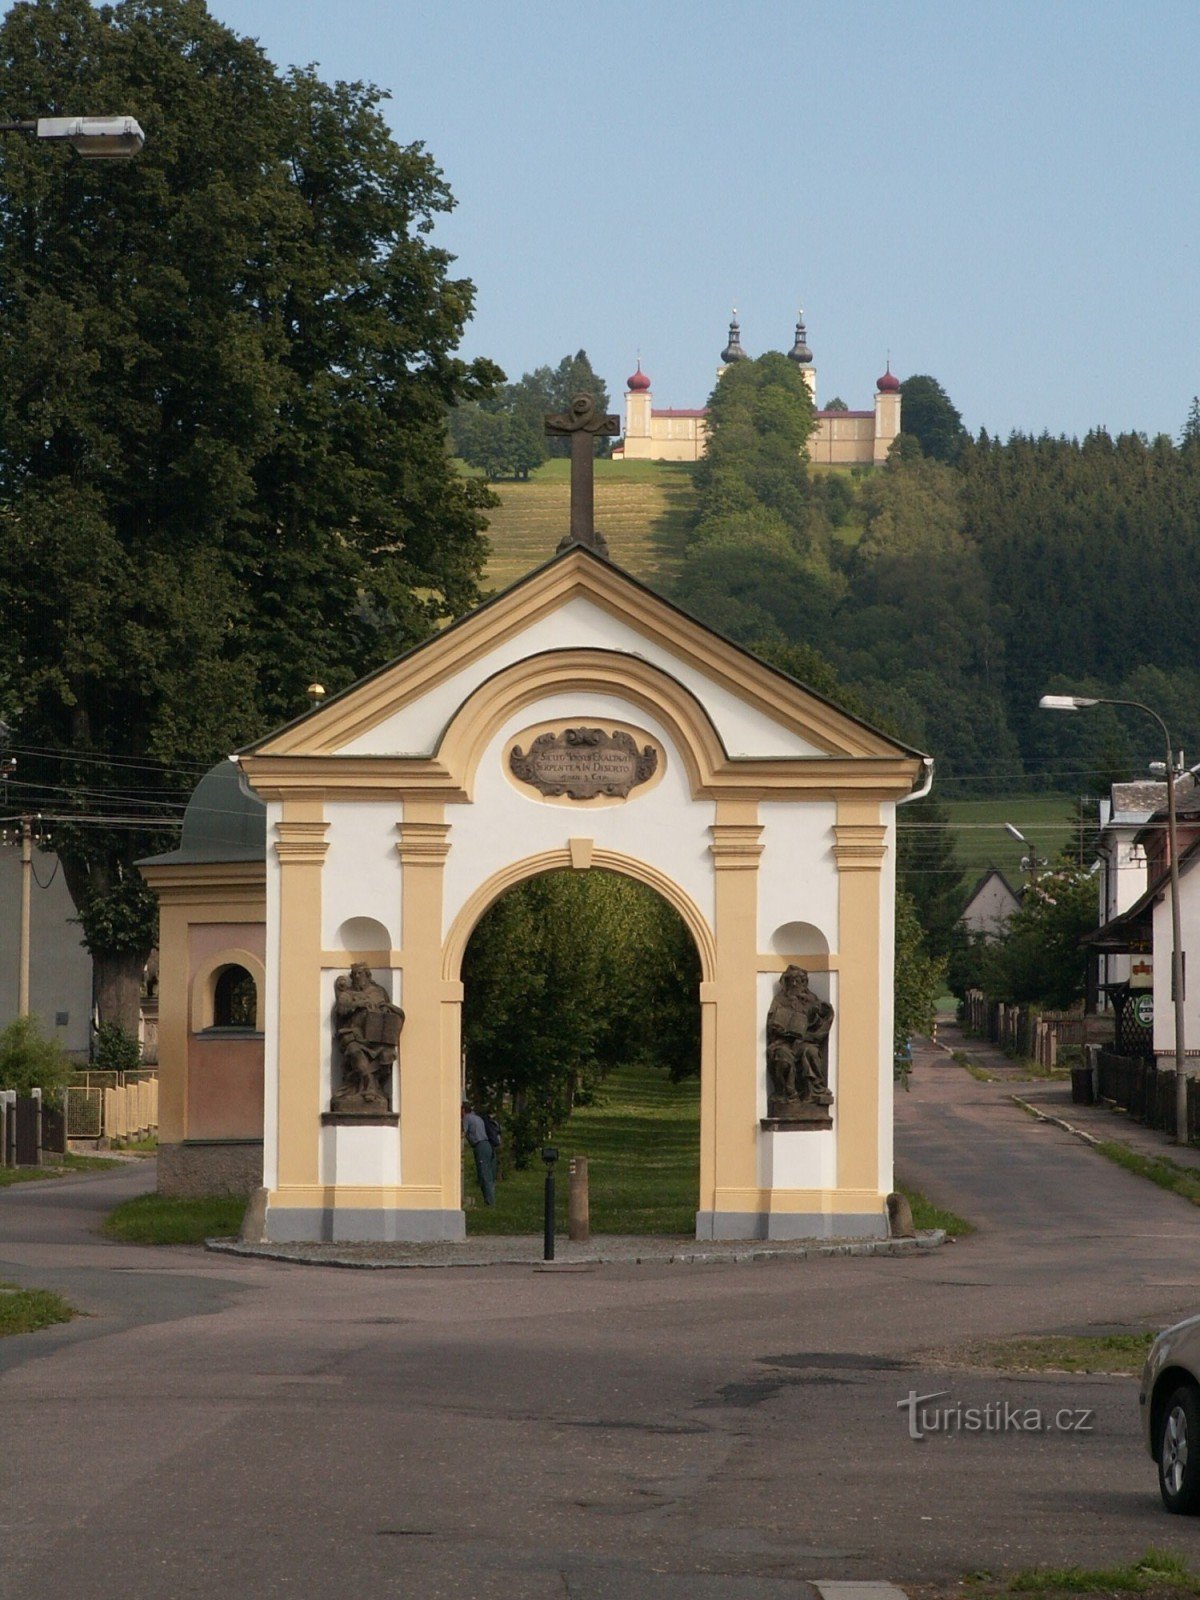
(225, 1427)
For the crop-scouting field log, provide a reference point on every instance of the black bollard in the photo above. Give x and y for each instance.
(549, 1156)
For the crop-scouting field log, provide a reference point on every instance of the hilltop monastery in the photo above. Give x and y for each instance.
(841, 438)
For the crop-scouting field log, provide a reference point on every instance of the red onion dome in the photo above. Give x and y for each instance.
(639, 383)
(889, 383)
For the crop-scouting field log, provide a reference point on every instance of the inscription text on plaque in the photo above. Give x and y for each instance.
(582, 763)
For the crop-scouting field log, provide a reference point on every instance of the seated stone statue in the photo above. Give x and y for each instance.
(798, 1025)
(367, 1026)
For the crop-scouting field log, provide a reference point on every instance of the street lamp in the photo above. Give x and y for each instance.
(1030, 863)
(94, 138)
(1079, 702)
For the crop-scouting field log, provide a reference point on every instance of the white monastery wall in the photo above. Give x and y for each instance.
(797, 877)
(361, 877)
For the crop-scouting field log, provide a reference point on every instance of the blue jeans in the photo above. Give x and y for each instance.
(485, 1171)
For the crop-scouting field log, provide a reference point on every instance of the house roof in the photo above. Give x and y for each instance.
(992, 872)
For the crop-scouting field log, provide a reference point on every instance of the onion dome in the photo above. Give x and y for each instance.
(889, 383)
(639, 383)
(800, 353)
(733, 350)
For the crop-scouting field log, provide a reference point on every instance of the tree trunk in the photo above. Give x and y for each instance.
(117, 979)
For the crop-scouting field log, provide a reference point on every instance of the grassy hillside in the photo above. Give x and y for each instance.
(981, 841)
(641, 507)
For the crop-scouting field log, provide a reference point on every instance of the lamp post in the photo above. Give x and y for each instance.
(1079, 702)
(94, 138)
(1030, 863)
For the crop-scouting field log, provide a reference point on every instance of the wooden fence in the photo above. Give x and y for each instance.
(1041, 1036)
(1147, 1092)
(123, 1109)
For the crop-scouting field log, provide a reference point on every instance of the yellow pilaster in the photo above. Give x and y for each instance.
(859, 850)
(300, 846)
(429, 1067)
(736, 849)
(172, 1022)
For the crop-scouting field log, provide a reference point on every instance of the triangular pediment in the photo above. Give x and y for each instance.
(577, 603)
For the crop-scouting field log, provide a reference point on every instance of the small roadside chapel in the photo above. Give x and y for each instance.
(315, 917)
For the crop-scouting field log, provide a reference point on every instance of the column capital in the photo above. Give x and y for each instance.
(859, 846)
(423, 843)
(301, 841)
(736, 846)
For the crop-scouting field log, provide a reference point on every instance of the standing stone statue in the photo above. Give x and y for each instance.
(367, 1026)
(798, 1025)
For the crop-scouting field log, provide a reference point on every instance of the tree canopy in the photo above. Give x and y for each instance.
(929, 415)
(226, 371)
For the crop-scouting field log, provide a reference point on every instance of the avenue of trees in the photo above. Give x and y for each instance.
(566, 977)
(226, 368)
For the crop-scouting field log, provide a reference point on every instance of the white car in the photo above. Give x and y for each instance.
(1170, 1402)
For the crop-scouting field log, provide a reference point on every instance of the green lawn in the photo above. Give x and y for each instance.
(154, 1219)
(58, 1167)
(641, 508)
(642, 1141)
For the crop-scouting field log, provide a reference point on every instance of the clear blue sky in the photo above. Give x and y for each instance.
(1001, 194)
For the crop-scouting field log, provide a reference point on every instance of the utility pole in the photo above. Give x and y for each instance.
(26, 899)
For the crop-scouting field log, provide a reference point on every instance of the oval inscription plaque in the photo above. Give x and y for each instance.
(582, 763)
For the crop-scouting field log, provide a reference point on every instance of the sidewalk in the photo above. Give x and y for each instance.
(1053, 1096)
(495, 1250)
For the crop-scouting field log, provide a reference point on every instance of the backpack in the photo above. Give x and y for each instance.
(492, 1128)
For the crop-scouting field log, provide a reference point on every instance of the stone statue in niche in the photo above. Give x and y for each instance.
(798, 1025)
(367, 1027)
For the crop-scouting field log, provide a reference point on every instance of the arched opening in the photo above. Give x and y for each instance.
(235, 999)
(581, 1028)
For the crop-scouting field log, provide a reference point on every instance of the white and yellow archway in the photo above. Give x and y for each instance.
(769, 826)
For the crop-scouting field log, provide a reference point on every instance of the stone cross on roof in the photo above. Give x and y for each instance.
(583, 424)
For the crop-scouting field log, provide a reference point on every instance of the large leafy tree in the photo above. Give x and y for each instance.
(226, 368)
(928, 414)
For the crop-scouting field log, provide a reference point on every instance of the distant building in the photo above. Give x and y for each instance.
(1122, 857)
(60, 969)
(841, 438)
(992, 902)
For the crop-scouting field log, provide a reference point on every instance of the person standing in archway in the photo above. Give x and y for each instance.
(476, 1134)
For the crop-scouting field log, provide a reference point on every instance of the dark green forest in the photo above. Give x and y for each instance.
(948, 590)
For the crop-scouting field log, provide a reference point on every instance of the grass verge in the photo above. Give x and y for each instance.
(1120, 1354)
(1161, 1170)
(155, 1219)
(642, 1141)
(1157, 1572)
(965, 1062)
(62, 1165)
(27, 1310)
(927, 1215)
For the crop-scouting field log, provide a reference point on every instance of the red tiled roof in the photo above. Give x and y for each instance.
(658, 411)
(836, 413)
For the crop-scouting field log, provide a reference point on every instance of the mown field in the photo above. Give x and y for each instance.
(982, 842)
(641, 508)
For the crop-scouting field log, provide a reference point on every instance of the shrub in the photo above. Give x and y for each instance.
(116, 1050)
(28, 1060)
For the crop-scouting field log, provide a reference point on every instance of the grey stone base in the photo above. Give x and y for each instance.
(352, 1225)
(199, 1168)
(790, 1225)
